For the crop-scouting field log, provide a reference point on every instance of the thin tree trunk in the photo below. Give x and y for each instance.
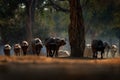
(76, 29)
(33, 13)
(29, 20)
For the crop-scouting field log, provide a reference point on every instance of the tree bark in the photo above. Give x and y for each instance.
(29, 20)
(119, 47)
(76, 29)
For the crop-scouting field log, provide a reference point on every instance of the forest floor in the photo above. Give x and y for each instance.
(43, 68)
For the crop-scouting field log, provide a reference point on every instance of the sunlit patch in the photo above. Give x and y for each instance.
(45, 9)
(22, 6)
(43, 59)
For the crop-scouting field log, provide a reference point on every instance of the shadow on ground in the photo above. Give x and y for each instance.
(42, 68)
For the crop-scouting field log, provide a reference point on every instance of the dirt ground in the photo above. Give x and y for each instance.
(43, 68)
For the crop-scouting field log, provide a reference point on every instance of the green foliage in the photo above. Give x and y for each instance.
(10, 19)
(7, 8)
(13, 34)
(100, 17)
(48, 23)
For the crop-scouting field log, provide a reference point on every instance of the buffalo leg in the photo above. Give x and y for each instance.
(102, 54)
(51, 53)
(94, 54)
(56, 53)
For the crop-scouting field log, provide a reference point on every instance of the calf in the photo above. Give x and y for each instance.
(24, 46)
(52, 45)
(17, 49)
(7, 49)
(36, 46)
(63, 53)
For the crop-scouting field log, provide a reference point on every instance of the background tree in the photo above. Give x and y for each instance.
(31, 6)
(29, 18)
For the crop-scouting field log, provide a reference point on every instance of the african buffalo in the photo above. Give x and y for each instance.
(24, 46)
(53, 44)
(17, 49)
(97, 45)
(114, 49)
(7, 49)
(36, 46)
(107, 48)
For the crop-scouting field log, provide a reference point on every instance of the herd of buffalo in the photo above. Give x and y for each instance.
(53, 44)
(100, 46)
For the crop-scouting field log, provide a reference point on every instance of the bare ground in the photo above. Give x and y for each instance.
(43, 68)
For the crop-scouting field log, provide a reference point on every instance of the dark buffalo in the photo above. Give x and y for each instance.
(52, 45)
(24, 46)
(17, 49)
(36, 46)
(97, 45)
(7, 49)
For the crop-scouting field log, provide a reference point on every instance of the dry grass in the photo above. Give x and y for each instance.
(43, 68)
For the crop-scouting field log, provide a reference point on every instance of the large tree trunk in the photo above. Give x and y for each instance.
(119, 47)
(76, 29)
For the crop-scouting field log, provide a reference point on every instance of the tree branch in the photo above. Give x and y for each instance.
(57, 7)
